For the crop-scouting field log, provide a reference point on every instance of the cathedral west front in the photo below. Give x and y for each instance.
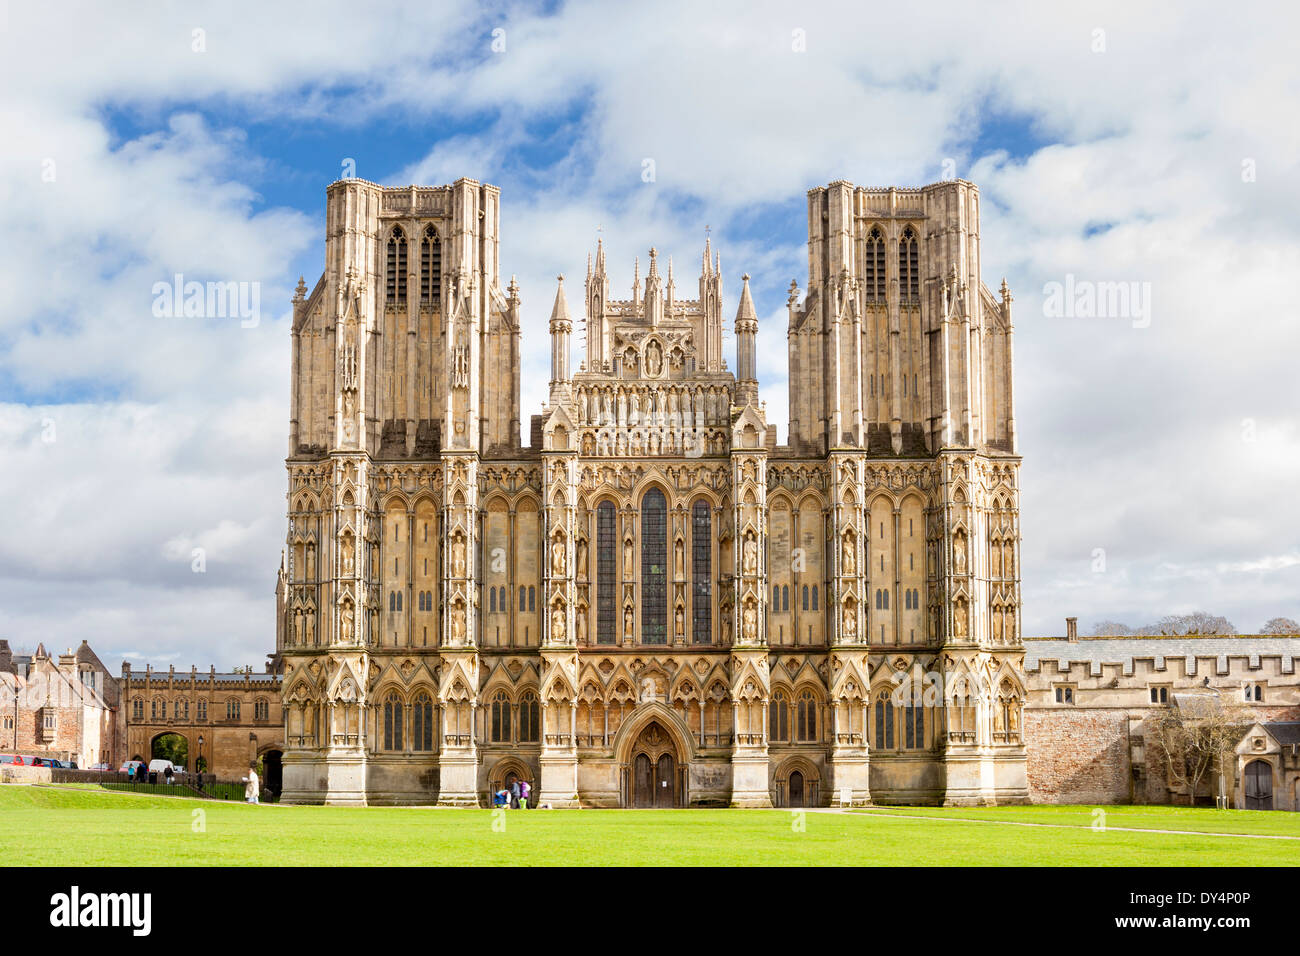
(652, 603)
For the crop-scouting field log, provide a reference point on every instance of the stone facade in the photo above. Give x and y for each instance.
(653, 603)
(239, 717)
(64, 707)
(1089, 700)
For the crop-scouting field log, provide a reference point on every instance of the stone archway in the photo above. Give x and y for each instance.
(1259, 785)
(653, 776)
(272, 771)
(172, 746)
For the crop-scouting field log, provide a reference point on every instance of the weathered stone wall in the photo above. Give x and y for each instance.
(1078, 756)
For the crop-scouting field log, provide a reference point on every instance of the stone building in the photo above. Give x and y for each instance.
(63, 707)
(1090, 701)
(226, 720)
(653, 603)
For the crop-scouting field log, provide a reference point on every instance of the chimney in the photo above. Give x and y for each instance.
(1072, 629)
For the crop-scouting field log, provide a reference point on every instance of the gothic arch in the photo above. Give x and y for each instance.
(642, 717)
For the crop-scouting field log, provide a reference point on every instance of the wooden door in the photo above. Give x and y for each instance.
(665, 782)
(1259, 785)
(643, 785)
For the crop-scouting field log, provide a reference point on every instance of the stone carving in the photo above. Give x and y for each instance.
(557, 557)
(749, 621)
(679, 560)
(959, 553)
(558, 629)
(582, 558)
(348, 629)
(627, 560)
(849, 629)
(349, 555)
(628, 620)
(654, 359)
(848, 560)
(458, 555)
(458, 624)
(749, 563)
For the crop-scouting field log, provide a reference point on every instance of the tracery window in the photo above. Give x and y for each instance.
(396, 271)
(654, 567)
(392, 721)
(529, 718)
(913, 727)
(779, 718)
(884, 722)
(261, 709)
(701, 567)
(232, 709)
(422, 723)
(875, 265)
(137, 709)
(909, 277)
(807, 716)
(500, 717)
(203, 709)
(606, 556)
(430, 267)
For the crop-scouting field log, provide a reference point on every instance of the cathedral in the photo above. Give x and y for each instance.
(652, 603)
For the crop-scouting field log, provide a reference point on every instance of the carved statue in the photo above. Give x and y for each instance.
(681, 623)
(850, 626)
(628, 620)
(849, 561)
(582, 559)
(349, 624)
(749, 621)
(654, 359)
(311, 563)
(297, 627)
(726, 629)
(349, 558)
(557, 557)
(627, 560)
(557, 623)
(458, 556)
(959, 621)
(750, 560)
(959, 553)
(679, 556)
(582, 626)
(311, 629)
(458, 624)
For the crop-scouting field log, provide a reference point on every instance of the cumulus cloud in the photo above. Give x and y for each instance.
(1104, 151)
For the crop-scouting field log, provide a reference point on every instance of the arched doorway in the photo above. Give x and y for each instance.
(171, 747)
(1259, 785)
(796, 788)
(273, 778)
(654, 782)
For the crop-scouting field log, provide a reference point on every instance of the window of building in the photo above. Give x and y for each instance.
(9, 723)
(875, 264)
(1160, 695)
(702, 573)
(779, 718)
(806, 714)
(529, 718)
(137, 709)
(50, 720)
(261, 709)
(232, 709)
(814, 593)
(884, 722)
(422, 723)
(1253, 692)
(430, 267)
(500, 717)
(909, 275)
(202, 709)
(805, 597)
(396, 272)
(392, 721)
(654, 567)
(1064, 694)
(914, 727)
(606, 556)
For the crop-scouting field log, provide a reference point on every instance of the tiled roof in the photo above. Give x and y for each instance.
(1114, 650)
(1286, 732)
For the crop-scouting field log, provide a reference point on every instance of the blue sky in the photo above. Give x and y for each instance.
(1103, 152)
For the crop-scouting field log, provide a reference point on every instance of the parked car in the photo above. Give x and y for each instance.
(10, 759)
(102, 766)
(131, 765)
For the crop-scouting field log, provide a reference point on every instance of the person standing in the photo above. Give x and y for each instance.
(250, 784)
(514, 794)
(525, 791)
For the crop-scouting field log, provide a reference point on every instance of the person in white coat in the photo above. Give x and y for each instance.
(250, 784)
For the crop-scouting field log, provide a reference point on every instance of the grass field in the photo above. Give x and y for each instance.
(81, 826)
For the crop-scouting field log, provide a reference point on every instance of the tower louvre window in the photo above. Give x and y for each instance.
(430, 267)
(875, 264)
(395, 274)
(909, 277)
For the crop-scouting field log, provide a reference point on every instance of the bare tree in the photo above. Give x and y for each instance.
(1280, 625)
(1194, 736)
(1198, 622)
(1111, 629)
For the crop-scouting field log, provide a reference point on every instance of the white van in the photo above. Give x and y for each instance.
(159, 766)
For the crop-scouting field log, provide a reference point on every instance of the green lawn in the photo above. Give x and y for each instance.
(1200, 819)
(80, 827)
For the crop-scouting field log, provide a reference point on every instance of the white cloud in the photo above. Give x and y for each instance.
(170, 432)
